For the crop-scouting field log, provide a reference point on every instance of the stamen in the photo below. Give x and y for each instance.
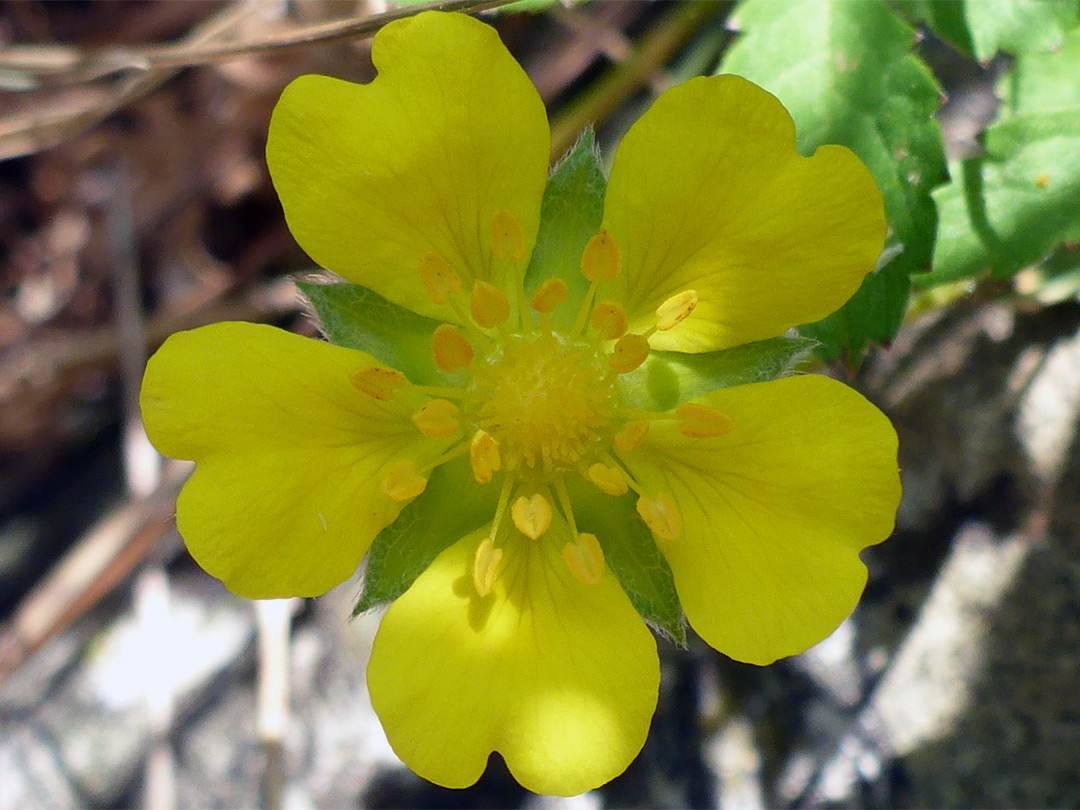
(507, 238)
(403, 482)
(378, 383)
(702, 422)
(660, 515)
(440, 391)
(564, 502)
(549, 295)
(484, 456)
(676, 309)
(450, 349)
(583, 313)
(609, 319)
(489, 305)
(487, 565)
(585, 559)
(601, 259)
(437, 419)
(508, 244)
(646, 416)
(610, 480)
(613, 463)
(459, 449)
(628, 353)
(439, 278)
(630, 436)
(532, 515)
(500, 509)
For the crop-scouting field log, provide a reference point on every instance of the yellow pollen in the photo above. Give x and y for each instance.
(437, 419)
(609, 479)
(378, 383)
(601, 259)
(630, 436)
(546, 401)
(531, 515)
(484, 456)
(609, 319)
(403, 482)
(585, 559)
(702, 422)
(628, 353)
(549, 295)
(450, 349)
(676, 309)
(660, 515)
(507, 239)
(487, 565)
(439, 278)
(489, 305)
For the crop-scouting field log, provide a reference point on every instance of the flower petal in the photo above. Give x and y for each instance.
(285, 497)
(374, 176)
(708, 193)
(775, 512)
(559, 677)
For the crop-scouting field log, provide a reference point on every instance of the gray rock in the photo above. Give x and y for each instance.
(32, 774)
(99, 715)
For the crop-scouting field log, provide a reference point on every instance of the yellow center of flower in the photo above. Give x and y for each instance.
(538, 404)
(546, 400)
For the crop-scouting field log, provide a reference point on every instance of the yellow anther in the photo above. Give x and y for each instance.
(484, 455)
(378, 383)
(610, 479)
(549, 295)
(676, 309)
(585, 559)
(630, 436)
(403, 482)
(489, 305)
(609, 319)
(660, 515)
(439, 278)
(531, 515)
(628, 353)
(702, 422)
(601, 258)
(437, 419)
(487, 565)
(507, 239)
(450, 349)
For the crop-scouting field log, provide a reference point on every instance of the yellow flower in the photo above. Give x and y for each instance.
(425, 187)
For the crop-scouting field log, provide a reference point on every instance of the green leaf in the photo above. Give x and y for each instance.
(1009, 208)
(442, 514)
(1019, 26)
(846, 73)
(570, 214)
(357, 318)
(632, 555)
(668, 379)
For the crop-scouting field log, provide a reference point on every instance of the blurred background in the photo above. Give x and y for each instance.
(134, 201)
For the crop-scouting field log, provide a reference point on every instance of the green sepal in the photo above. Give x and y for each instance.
(357, 318)
(668, 379)
(452, 506)
(632, 555)
(570, 215)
